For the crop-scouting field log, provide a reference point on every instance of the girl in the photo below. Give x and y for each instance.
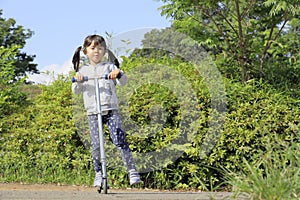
(94, 48)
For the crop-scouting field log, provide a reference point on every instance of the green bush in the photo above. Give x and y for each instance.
(41, 143)
(256, 114)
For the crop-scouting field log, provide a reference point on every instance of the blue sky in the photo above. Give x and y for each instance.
(61, 25)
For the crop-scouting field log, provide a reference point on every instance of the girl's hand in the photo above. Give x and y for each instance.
(113, 74)
(79, 77)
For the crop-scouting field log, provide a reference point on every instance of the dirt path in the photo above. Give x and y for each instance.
(47, 192)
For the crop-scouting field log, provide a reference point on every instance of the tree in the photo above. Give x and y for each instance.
(10, 96)
(240, 33)
(12, 34)
(169, 43)
(284, 54)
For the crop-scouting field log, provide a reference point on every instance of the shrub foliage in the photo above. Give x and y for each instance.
(40, 142)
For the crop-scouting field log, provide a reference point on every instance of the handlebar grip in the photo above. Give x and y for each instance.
(85, 78)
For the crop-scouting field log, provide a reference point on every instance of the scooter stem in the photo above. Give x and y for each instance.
(101, 137)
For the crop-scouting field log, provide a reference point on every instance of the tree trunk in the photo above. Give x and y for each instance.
(241, 57)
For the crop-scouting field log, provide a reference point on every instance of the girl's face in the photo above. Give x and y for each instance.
(95, 53)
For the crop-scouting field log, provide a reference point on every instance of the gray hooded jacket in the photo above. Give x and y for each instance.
(108, 96)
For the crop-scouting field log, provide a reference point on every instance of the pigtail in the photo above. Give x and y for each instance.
(112, 58)
(76, 59)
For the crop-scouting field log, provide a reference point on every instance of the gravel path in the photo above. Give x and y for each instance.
(47, 192)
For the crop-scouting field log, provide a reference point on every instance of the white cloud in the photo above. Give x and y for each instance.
(49, 73)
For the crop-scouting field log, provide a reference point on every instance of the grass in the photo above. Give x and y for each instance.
(275, 176)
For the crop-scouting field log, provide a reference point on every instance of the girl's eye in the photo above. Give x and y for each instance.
(97, 48)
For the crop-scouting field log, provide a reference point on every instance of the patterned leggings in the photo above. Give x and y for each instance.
(113, 122)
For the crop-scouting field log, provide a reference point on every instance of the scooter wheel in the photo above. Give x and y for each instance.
(104, 186)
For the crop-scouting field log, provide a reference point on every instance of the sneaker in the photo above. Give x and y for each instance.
(134, 177)
(98, 179)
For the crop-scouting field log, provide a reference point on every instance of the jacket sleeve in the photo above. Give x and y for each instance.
(122, 80)
(77, 87)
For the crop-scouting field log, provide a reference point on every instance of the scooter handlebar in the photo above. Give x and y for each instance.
(86, 78)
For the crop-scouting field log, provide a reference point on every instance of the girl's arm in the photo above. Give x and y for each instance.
(77, 86)
(122, 80)
(117, 75)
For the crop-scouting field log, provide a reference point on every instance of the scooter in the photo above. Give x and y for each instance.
(104, 184)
